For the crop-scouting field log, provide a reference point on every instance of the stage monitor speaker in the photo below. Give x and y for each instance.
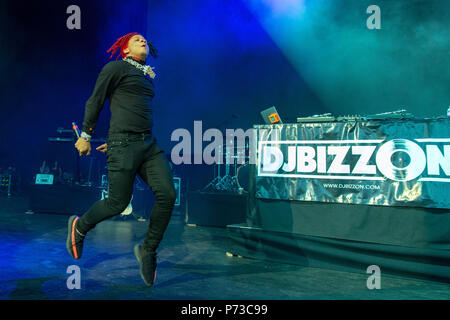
(216, 209)
(70, 200)
(62, 199)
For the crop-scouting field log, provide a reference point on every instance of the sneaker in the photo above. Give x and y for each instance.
(74, 241)
(147, 262)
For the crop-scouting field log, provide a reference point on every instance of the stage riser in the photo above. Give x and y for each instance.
(400, 226)
(215, 209)
(69, 200)
(342, 255)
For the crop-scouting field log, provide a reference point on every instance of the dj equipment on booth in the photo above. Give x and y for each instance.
(328, 117)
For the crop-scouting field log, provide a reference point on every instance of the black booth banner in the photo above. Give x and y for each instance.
(384, 162)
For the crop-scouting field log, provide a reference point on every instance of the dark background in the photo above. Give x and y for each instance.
(221, 62)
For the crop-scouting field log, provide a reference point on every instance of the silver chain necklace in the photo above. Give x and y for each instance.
(146, 69)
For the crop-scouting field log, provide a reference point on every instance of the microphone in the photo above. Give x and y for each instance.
(75, 128)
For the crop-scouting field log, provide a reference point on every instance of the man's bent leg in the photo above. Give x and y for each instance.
(157, 174)
(120, 190)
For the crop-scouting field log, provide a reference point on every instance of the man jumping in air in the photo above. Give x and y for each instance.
(131, 149)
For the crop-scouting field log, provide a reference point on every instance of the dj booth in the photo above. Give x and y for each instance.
(347, 194)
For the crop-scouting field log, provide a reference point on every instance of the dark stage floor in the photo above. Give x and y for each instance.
(192, 265)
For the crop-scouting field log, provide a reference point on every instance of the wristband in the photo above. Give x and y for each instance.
(85, 136)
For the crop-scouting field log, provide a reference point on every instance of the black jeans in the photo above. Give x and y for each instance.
(128, 155)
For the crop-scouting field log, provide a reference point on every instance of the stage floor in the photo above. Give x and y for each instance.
(192, 264)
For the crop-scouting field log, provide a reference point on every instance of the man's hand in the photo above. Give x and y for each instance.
(103, 148)
(83, 147)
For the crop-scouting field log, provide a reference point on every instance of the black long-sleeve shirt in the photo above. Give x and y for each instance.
(130, 93)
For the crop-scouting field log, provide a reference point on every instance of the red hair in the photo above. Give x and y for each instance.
(122, 44)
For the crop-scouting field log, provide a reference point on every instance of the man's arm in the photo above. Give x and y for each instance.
(107, 81)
